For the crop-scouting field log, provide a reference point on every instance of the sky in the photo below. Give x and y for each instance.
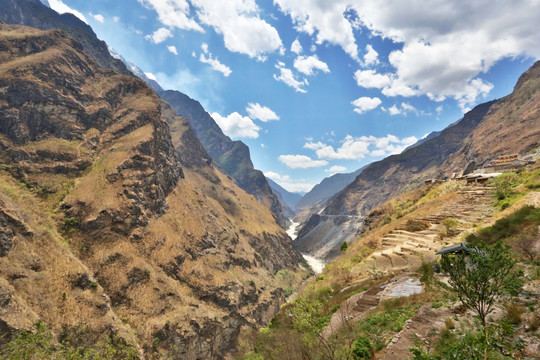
(318, 87)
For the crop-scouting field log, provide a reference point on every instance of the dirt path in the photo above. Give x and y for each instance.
(402, 250)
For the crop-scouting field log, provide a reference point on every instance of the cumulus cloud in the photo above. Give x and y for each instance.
(172, 49)
(446, 46)
(365, 104)
(307, 65)
(159, 36)
(98, 17)
(287, 77)
(296, 47)
(237, 20)
(403, 109)
(236, 125)
(389, 83)
(371, 57)
(173, 14)
(214, 63)
(356, 148)
(289, 184)
(324, 19)
(336, 169)
(61, 8)
(301, 161)
(262, 113)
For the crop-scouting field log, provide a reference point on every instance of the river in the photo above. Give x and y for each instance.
(316, 264)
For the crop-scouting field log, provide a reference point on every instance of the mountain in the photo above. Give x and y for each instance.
(327, 188)
(35, 14)
(232, 157)
(136, 70)
(430, 136)
(113, 223)
(505, 126)
(287, 199)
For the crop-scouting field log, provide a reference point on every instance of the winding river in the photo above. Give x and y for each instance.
(316, 264)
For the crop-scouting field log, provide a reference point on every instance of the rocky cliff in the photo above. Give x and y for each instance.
(231, 156)
(505, 126)
(33, 13)
(112, 217)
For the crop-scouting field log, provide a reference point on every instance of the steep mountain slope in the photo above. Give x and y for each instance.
(327, 188)
(111, 216)
(33, 13)
(287, 199)
(231, 156)
(508, 125)
(235, 159)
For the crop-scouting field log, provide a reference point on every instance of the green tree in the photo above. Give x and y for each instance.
(480, 277)
(504, 185)
(344, 246)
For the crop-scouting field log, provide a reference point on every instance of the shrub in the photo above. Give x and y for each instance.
(70, 224)
(344, 246)
(513, 313)
(361, 349)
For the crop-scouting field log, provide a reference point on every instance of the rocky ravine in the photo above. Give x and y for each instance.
(112, 217)
(505, 126)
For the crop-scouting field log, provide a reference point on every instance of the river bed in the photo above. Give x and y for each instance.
(316, 264)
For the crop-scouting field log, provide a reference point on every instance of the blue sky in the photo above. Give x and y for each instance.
(318, 87)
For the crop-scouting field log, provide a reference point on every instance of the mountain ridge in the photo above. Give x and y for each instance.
(472, 142)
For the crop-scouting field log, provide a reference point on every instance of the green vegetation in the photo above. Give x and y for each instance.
(523, 221)
(70, 224)
(343, 246)
(481, 276)
(75, 345)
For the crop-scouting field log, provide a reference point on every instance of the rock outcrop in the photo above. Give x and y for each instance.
(231, 156)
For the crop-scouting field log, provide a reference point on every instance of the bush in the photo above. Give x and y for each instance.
(361, 349)
(344, 246)
(415, 225)
(70, 224)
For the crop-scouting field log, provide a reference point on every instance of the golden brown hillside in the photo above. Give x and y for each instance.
(109, 222)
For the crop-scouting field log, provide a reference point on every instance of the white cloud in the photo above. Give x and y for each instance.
(98, 17)
(389, 83)
(214, 63)
(116, 18)
(371, 57)
(173, 13)
(301, 161)
(439, 109)
(364, 104)
(159, 36)
(403, 109)
(150, 76)
(336, 169)
(296, 47)
(370, 79)
(289, 184)
(324, 19)
(262, 113)
(356, 148)
(444, 47)
(61, 8)
(237, 126)
(307, 64)
(243, 30)
(172, 49)
(287, 77)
